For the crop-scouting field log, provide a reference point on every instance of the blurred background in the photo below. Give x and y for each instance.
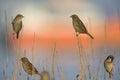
(47, 23)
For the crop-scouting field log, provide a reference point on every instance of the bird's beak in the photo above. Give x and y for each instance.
(70, 16)
(23, 16)
(20, 59)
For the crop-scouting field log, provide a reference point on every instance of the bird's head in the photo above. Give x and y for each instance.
(74, 16)
(19, 16)
(110, 58)
(24, 59)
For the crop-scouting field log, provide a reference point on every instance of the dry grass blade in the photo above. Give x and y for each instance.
(6, 43)
(53, 57)
(33, 52)
(80, 54)
(63, 76)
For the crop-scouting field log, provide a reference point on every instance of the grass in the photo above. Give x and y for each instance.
(7, 76)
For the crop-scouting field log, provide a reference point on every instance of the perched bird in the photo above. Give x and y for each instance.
(109, 65)
(28, 67)
(45, 75)
(17, 24)
(79, 26)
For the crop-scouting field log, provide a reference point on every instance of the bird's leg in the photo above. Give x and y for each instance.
(77, 34)
(13, 34)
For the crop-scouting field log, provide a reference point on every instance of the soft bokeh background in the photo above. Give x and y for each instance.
(47, 22)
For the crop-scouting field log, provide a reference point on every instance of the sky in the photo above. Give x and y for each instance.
(49, 21)
(51, 18)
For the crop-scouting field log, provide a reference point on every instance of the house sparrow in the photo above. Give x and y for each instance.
(109, 65)
(17, 24)
(28, 67)
(79, 26)
(45, 75)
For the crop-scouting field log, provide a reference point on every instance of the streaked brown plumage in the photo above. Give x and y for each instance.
(109, 65)
(28, 67)
(79, 26)
(17, 24)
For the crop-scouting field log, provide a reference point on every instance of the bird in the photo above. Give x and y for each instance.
(109, 65)
(45, 75)
(79, 26)
(17, 24)
(29, 67)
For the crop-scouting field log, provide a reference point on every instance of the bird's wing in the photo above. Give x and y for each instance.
(33, 68)
(81, 25)
(20, 26)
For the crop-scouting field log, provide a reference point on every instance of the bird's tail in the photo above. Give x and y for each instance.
(17, 35)
(90, 35)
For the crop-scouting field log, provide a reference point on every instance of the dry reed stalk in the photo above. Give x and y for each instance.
(15, 69)
(91, 46)
(60, 68)
(99, 68)
(1, 64)
(14, 74)
(33, 51)
(15, 51)
(94, 59)
(80, 54)
(87, 66)
(53, 57)
(33, 48)
(105, 50)
(104, 58)
(119, 73)
(6, 44)
(20, 40)
(47, 64)
(118, 13)
(95, 72)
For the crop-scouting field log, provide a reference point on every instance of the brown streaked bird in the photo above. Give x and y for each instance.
(79, 26)
(109, 65)
(17, 24)
(28, 67)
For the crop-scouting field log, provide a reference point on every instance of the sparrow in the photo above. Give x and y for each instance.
(17, 24)
(45, 75)
(79, 26)
(109, 65)
(28, 67)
